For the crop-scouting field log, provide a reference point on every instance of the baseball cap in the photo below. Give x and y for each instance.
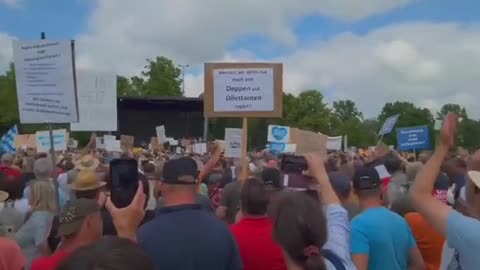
(340, 183)
(271, 176)
(74, 214)
(182, 171)
(366, 178)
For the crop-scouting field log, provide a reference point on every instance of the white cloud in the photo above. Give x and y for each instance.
(11, 3)
(122, 33)
(6, 53)
(425, 63)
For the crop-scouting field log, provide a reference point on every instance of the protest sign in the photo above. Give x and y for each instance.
(97, 101)
(25, 141)
(200, 148)
(243, 90)
(60, 139)
(161, 137)
(113, 146)
(109, 138)
(233, 142)
(278, 134)
(309, 142)
(100, 143)
(280, 148)
(413, 138)
(388, 125)
(172, 141)
(44, 75)
(334, 143)
(73, 144)
(127, 142)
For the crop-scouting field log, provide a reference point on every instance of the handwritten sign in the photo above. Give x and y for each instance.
(59, 140)
(44, 75)
(127, 142)
(97, 102)
(243, 90)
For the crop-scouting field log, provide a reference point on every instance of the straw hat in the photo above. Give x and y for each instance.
(87, 163)
(3, 196)
(86, 180)
(475, 177)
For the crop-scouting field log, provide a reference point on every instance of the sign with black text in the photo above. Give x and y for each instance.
(44, 74)
(243, 90)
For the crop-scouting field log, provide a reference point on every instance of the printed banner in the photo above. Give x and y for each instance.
(413, 138)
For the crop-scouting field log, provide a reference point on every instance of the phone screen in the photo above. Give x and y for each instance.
(124, 181)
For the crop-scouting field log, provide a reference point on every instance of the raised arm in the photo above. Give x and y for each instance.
(432, 209)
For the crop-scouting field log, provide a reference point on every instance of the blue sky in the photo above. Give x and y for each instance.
(423, 51)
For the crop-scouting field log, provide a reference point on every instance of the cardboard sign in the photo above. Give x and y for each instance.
(60, 139)
(233, 142)
(309, 142)
(278, 134)
(127, 142)
(25, 141)
(44, 74)
(243, 90)
(97, 101)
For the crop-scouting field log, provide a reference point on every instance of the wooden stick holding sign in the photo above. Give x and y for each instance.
(244, 176)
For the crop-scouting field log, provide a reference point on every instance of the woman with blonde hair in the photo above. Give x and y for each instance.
(32, 236)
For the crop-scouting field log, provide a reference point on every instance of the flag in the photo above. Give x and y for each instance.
(7, 143)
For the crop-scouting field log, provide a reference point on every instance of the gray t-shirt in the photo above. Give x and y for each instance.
(199, 199)
(231, 200)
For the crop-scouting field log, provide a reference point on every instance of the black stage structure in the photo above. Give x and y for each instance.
(181, 116)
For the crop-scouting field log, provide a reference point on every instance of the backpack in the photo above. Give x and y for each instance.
(333, 259)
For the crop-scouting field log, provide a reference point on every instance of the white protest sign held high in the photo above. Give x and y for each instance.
(334, 143)
(97, 101)
(113, 145)
(237, 90)
(162, 138)
(44, 75)
(233, 142)
(59, 140)
(278, 134)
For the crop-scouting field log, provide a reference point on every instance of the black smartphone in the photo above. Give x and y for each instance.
(123, 181)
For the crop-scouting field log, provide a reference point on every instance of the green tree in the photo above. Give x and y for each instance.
(308, 111)
(455, 108)
(8, 100)
(410, 115)
(124, 88)
(346, 110)
(162, 78)
(467, 135)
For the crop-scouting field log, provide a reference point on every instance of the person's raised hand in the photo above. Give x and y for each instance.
(449, 128)
(126, 220)
(315, 165)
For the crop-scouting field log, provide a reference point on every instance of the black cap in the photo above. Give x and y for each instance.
(340, 183)
(272, 177)
(366, 178)
(182, 171)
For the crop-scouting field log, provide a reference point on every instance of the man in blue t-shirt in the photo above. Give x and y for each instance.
(380, 239)
(183, 235)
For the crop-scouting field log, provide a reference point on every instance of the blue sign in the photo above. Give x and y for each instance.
(413, 138)
(276, 148)
(388, 125)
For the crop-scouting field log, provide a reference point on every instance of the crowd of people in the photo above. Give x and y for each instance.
(203, 212)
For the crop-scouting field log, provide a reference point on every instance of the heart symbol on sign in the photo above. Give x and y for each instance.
(279, 133)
